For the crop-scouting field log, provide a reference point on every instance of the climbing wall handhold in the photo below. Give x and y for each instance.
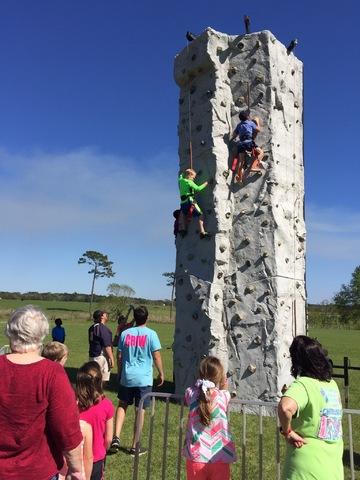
(246, 240)
(287, 260)
(265, 223)
(265, 254)
(219, 275)
(222, 248)
(257, 44)
(232, 71)
(258, 310)
(251, 368)
(249, 289)
(240, 45)
(226, 173)
(248, 263)
(222, 103)
(209, 93)
(216, 296)
(202, 142)
(227, 215)
(257, 340)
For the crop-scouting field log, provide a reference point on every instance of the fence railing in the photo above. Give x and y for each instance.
(244, 409)
(345, 367)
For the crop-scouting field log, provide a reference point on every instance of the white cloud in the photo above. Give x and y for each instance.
(334, 233)
(47, 192)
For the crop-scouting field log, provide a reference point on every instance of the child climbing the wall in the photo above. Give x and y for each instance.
(246, 130)
(209, 448)
(188, 206)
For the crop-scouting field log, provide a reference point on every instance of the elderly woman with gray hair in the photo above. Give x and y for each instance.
(39, 421)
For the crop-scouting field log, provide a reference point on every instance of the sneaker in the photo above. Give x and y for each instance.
(142, 451)
(115, 445)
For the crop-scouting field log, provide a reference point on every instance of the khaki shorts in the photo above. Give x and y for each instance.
(104, 366)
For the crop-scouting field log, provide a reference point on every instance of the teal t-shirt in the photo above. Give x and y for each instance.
(137, 344)
(318, 420)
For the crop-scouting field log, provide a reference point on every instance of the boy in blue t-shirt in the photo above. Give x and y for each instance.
(246, 131)
(139, 347)
(58, 332)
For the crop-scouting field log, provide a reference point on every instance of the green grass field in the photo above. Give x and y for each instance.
(119, 466)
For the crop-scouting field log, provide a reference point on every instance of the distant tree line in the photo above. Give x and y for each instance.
(71, 297)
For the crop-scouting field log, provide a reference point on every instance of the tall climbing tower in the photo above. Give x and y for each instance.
(240, 295)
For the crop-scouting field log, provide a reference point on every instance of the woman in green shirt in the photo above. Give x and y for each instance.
(310, 415)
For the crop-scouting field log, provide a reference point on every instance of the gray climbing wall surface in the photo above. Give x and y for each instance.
(241, 295)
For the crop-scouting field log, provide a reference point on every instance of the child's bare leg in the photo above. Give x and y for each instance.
(256, 164)
(240, 172)
(201, 225)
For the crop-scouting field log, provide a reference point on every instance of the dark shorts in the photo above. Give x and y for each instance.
(246, 146)
(127, 395)
(186, 208)
(98, 470)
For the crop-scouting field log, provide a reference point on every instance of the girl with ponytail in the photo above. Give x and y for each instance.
(208, 448)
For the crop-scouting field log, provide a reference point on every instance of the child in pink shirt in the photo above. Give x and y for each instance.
(96, 410)
(208, 448)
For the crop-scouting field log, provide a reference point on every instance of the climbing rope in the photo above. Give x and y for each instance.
(189, 119)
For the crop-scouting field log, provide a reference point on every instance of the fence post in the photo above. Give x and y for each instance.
(346, 380)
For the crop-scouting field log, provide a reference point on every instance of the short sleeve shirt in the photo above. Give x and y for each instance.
(136, 345)
(97, 416)
(99, 338)
(213, 443)
(318, 420)
(245, 130)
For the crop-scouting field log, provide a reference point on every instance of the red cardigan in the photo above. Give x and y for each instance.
(38, 419)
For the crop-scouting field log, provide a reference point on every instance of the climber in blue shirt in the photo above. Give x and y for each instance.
(246, 130)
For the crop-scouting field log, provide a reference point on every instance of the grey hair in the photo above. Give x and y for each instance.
(26, 329)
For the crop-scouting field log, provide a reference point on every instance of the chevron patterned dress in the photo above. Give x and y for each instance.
(213, 443)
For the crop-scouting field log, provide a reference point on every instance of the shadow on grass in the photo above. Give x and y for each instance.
(346, 459)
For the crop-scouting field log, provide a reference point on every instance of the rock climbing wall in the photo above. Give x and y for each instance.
(241, 294)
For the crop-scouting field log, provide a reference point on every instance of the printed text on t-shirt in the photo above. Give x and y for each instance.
(135, 340)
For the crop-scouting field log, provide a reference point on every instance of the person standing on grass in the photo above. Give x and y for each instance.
(139, 347)
(39, 419)
(209, 449)
(58, 332)
(310, 414)
(58, 352)
(96, 410)
(100, 344)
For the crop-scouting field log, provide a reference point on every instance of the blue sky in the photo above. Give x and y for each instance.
(88, 135)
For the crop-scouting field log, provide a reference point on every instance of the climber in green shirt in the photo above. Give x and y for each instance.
(189, 207)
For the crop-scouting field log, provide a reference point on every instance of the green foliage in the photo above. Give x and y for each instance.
(100, 266)
(117, 303)
(170, 278)
(347, 300)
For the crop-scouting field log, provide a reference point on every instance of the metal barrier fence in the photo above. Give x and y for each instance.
(262, 409)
